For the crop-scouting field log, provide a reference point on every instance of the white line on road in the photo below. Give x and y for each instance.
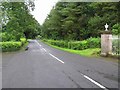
(40, 46)
(93, 81)
(37, 43)
(44, 50)
(50, 53)
(56, 58)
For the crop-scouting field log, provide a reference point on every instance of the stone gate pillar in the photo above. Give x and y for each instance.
(106, 42)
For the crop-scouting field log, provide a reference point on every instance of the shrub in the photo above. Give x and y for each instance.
(79, 45)
(93, 42)
(10, 46)
(23, 41)
(57, 43)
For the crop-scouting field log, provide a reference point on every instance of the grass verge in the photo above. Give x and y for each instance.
(92, 52)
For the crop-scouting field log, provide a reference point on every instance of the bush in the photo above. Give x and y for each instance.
(57, 43)
(93, 42)
(10, 46)
(23, 41)
(79, 45)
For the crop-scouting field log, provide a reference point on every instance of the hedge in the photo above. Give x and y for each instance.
(79, 45)
(56, 43)
(76, 45)
(10, 46)
(94, 42)
(23, 41)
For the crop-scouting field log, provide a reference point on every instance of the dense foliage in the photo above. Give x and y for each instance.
(76, 45)
(80, 20)
(116, 29)
(17, 21)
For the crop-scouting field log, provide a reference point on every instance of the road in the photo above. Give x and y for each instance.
(42, 66)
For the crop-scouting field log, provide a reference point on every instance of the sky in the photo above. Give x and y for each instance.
(42, 9)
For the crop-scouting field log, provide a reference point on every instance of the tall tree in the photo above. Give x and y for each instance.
(20, 22)
(79, 20)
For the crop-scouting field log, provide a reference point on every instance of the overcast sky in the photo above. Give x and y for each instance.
(42, 8)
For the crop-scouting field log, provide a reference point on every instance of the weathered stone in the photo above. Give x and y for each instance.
(106, 44)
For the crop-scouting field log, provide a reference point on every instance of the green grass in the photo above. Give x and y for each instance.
(87, 52)
(92, 52)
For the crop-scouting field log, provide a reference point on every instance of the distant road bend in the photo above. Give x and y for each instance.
(42, 66)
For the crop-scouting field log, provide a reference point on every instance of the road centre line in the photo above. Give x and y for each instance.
(37, 43)
(44, 50)
(50, 53)
(40, 46)
(93, 81)
(56, 58)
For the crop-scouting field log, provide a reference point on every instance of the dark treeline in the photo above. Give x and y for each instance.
(80, 20)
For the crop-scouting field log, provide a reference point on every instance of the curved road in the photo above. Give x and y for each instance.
(42, 66)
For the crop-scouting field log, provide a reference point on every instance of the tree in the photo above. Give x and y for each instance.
(20, 22)
(79, 20)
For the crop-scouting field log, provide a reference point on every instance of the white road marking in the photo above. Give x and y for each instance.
(56, 58)
(50, 53)
(40, 46)
(37, 43)
(93, 81)
(44, 50)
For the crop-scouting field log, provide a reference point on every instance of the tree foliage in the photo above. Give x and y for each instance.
(79, 20)
(116, 29)
(18, 21)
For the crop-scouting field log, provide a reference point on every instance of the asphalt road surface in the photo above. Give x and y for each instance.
(42, 66)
